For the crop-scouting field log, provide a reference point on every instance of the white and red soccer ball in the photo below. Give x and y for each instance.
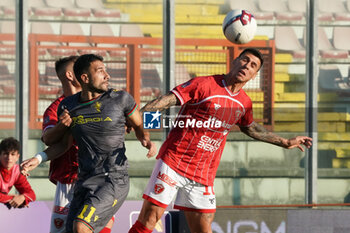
(239, 26)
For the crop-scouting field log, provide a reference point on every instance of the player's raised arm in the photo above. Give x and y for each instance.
(50, 153)
(258, 132)
(161, 103)
(135, 121)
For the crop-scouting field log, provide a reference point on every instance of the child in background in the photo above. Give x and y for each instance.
(10, 175)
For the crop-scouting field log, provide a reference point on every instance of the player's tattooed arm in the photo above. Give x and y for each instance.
(161, 103)
(258, 132)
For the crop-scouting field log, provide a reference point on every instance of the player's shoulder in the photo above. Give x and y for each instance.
(201, 81)
(71, 101)
(116, 93)
(55, 103)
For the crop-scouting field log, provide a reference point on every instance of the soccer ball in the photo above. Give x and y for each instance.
(239, 26)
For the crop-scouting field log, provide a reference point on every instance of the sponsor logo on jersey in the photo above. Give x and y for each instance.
(151, 120)
(158, 188)
(167, 179)
(80, 120)
(58, 222)
(209, 144)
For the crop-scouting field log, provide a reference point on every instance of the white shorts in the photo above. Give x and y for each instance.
(63, 197)
(165, 184)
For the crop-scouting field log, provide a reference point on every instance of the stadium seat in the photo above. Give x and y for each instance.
(297, 6)
(105, 30)
(287, 41)
(280, 10)
(76, 29)
(335, 7)
(326, 49)
(68, 8)
(130, 30)
(341, 37)
(331, 79)
(252, 7)
(39, 9)
(8, 48)
(325, 12)
(97, 8)
(43, 28)
(8, 7)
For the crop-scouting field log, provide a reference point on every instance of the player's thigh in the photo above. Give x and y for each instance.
(198, 221)
(162, 186)
(101, 204)
(196, 197)
(63, 197)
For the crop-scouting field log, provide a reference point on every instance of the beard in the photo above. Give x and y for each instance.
(99, 90)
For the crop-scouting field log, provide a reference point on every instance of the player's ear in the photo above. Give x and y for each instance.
(70, 75)
(85, 78)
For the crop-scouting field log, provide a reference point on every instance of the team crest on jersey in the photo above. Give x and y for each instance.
(98, 106)
(158, 188)
(58, 222)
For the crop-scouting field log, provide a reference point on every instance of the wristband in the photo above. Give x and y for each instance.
(41, 156)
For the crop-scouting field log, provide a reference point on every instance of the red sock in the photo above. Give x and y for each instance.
(138, 227)
(106, 230)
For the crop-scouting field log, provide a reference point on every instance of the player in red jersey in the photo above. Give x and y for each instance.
(189, 158)
(10, 176)
(63, 170)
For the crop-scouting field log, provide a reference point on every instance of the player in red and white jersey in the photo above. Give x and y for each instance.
(209, 110)
(189, 158)
(63, 170)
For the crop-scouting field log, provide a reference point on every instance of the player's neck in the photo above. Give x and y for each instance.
(86, 96)
(69, 90)
(233, 86)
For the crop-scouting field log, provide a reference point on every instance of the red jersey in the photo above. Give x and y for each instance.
(65, 168)
(13, 177)
(208, 111)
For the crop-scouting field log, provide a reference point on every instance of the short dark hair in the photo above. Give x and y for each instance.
(82, 64)
(9, 144)
(61, 64)
(255, 52)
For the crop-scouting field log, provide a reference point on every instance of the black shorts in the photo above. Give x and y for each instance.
(97, 199)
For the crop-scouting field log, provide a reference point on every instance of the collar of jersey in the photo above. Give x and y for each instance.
(228, 90)
(89, 101)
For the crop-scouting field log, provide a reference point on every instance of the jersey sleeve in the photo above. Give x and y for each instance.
(4, 198)
(50, 118)
(189, 91)
(23, 187)
(128, 103)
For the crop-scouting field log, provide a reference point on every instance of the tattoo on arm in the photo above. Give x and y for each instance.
(258, 132)
(161, 103)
